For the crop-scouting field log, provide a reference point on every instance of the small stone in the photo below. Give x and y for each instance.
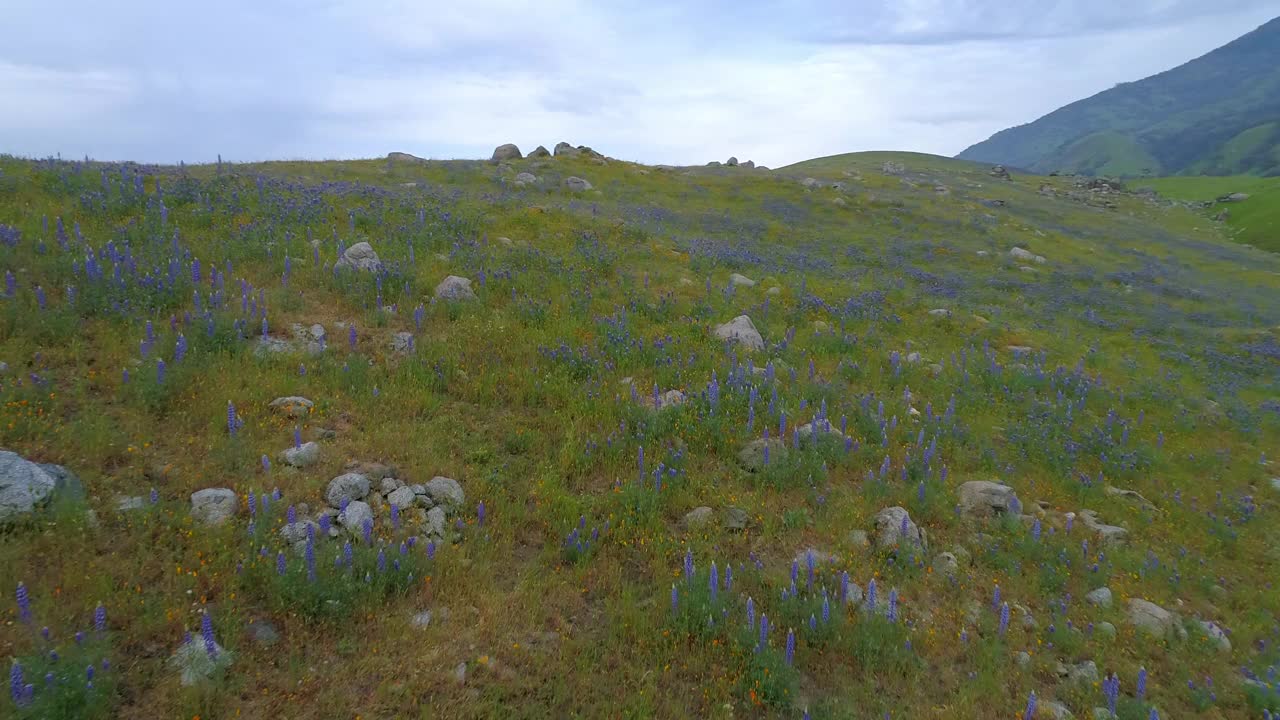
(1085, 672)
(1023, 659)
(741, 330)
(735, 519)
(293, 406)
(1108, 534)
(460, 674)
(698, 517)
(985, 499)
(1100, 597)
(1055, 710)
(437, 523)
(1151, 619)
(297, 532)
(421, 620)
(577, 184)
(127, 504)
(194, 663)
(402, 342)
(359, 257)
(213, 506)
(892, 531)
(946, 562)
(1216, 635)
(940, 312)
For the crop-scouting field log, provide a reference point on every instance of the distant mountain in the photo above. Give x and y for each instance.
(1216, 115)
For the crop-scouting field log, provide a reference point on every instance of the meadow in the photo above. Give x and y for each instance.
(876, 510)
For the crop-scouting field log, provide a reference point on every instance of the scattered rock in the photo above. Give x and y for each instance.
(985, 499)
(539, 152)
(1151, 619)
(810, 183)
(129, 504)
(460, 672)
(565, 149)
(947, 563)
(737, 280)
(1085, 672)
(445, 491)
(748, 164)
(295, 533)
(698, 517)
(1000, 172)
(455, 288)
(1108, 534)
(752, 457)
(437, 523)
(402, 342)
(354, 517)
(24, 486)
(735, 519)
(1100, 597)
(859, 539)
(402, 497)
(1130, 496)
(741, 330)
(525, 178)
(1022, 254)
(347, 487)
(731, 162)
(820, 558)
(213, 506)
(195, 663)
(505, 152)
(894, 527)
(359, 257)
(422, 619)
(577, 184)
(1234, 197)
(304, 455)
(65, 483)
(1105, 629)
(1215, 634)
(670, 398)
(293, 406)
(388, 485)
(1023, 659)
(940, 312)
(404, 157)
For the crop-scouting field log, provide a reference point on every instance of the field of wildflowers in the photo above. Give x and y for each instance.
(462, 447)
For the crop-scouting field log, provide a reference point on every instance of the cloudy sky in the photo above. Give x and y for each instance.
(658, 81)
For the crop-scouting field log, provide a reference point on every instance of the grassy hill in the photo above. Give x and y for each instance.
(1214, 115)
(604, 555)
(1255, 221)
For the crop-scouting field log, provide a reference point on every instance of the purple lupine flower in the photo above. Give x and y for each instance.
(206, 631)
(351, 336)
(480, 513)
(1141, 690)
(180, 348)
(640, 462)
(431, 549)
(231, 419)
(310, 555)
(1035, 530)
(871, 595)
(751, 613)
(297, 437)
(395, 516)
(844, 587)
(40, 299)
(1111, 689)
(348, 554)
(10, 284)
(253, 500)
(892, 612)
(813, 622)
(382, 560)
(1030, 713)
(713, 581)
(826, 610)
(1004, 618)
(688, 565)
(808, 561)
(728, 578)
(995, 597)
(367, 529)
(281, 567)
(160, 372)
(764, 630)
(324, 524)
(125, 376)
(291, 515)
(17, 686)
(675, 598)
(100, 618)
(791, 647)
(24, 603)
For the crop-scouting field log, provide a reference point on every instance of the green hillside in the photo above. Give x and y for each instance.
(875, 435)
(1255, 221)
(1215, 115)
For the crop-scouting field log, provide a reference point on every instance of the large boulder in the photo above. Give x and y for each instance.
(445, 491)
(1151, 619)
(565, 149)
(752, 457)
(404, 157)
(24, 486)
(577, 184)
(506, 152)
(355, 516)
(741, 330)
(349, 486)
(985, 499)
(359, 257)
(195, 663)
(213, 506)
(293, 406)
(402, 497)
(738, 280)
(894, 528)
(539, 152)
(304, 455)
(455, 288)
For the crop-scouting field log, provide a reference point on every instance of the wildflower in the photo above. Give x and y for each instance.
(155, 496)
(791, 647)
(431, 549)
(310, 556)
(100, 618)
(1035, 530)
(826, 610)
(751, 613)
(206, 631)
(382, 560)
(351, 336)
(1004, 619)
(844, 587)
(480, 513)
(348, 554)
(871, 595)
(808, 559)
(281, 568)
(24, 603)
(1141, 690)
(688, 565)
(231, 419)
(764, 630)
(160, 372)
(1031, 707)
(297, 437)
(892, 612)
(675, 597)
(713, 581)
(367, 529)
(395, 516)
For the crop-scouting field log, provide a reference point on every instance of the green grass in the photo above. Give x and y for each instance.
(1255, 221)
(1154, 364)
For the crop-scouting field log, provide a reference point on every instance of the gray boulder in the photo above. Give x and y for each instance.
(1131, 496)
(402, 342)
(1215, 634)
(455, 288)
(445, 491)
(748, 164)
(359, 257)
(304, 455)
(525, 178)
(731, 162)
(506, 152)
(1108, 534)
(294, 533)
(539, 152)
(402, 497)
(1055, 710)
(65, 483)
(738, 280)
(698, 517)
(947, 563)
(349, 486)
(404, 157)
(195, 663)
(985, 499)
(564, 149)
(1151, 619)
(1100, 597)
(437, 523)
(752, 457)
(130, 503)
(1026, 255)
(293, 406)
(742, 331)
(577, 184)
(24, 486)
(735, 519)
(894, 528)
(354, 517)
(213, 506)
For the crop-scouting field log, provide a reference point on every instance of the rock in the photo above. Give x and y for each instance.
(402, 342)
(24, 486)
(194, 662)
(304, 455)
(752, 457)
(65, 483)
(263, 632)
(1130, 496)
(1151, 619)
(1275, 484)
(670, 398)
(505, 152)
(985, 499)
(894, 528)
(698, 517)
(374, 470)
(128, 504)
(359, 257)
(455, 288)
(1023, 254)
(741, 330)
(1222, 216)
(421, 620)
(1215, 635)
(1101, 713)
(714, 163)
(402, 497)
(748, 164)
(1234, 197)
(962, 555)
(293, 406)
(445, 491)
(914, 358)
(946, 562)
(312, 339)
(1105, 629)
(859, 539)
(1055, 710)
(1000, 172)
(213, 506)
(731, 162)
(354, 517)
(940, 312)
(1025, 617)
(1108, 534)
(1023, 659)
(565, 149)
(525, 178)
(1085, 672)
(737, 280)
(820, 558)
(460, 672)
(735, 519)
(403, 157)
(539, 152)
(810, 183)
(437, 523)
(349, 486)
(577, 184)
(1100, 597)
(295, 533)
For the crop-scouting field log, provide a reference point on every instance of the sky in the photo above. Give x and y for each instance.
(654, 81)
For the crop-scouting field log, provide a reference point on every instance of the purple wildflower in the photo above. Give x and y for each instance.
(100, 618)
(281, 567)
(791, 647)
(206, 631)
(24, 603)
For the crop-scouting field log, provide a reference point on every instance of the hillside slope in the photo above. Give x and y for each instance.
(1214, 115)
(515, 466)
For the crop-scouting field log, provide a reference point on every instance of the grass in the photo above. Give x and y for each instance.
(1255, 221)
(1153, 367)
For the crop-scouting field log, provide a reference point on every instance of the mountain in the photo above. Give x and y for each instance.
(1216, 115)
